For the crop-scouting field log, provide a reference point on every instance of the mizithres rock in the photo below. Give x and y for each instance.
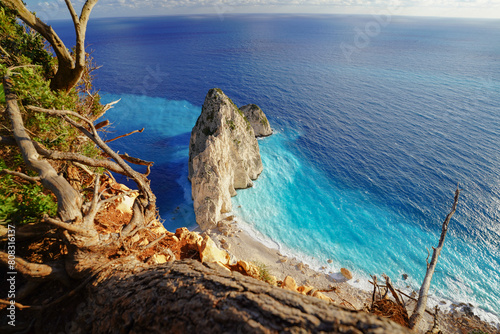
(257, 119)
(223, 156)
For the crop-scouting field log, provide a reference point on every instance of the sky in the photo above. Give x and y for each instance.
(56, 9)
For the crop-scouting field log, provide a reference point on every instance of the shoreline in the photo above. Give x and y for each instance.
(243, 243)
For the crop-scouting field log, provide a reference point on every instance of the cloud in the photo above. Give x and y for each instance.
(57, 8)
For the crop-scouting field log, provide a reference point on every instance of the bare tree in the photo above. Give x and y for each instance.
(424, 289)
(70, 67)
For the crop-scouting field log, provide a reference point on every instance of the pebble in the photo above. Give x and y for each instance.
(330, 261)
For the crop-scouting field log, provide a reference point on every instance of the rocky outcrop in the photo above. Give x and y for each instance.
(257, 119)
(223, 156)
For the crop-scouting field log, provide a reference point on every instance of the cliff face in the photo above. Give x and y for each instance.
(257, 119)
(223, 156)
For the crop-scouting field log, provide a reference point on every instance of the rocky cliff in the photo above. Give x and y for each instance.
(257, 119)
(223, 156)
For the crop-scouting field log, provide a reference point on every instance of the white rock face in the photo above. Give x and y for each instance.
(257, 119)
(223, 156)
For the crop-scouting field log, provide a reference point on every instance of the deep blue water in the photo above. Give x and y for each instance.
(373, 133)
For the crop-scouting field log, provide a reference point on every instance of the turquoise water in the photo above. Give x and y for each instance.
(368, 149)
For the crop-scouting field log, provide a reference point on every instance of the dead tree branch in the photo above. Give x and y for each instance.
(125, 135)
(21, 175)
(424, 289)
(393, 291)
(148, 199)
(80, 158)
(69, 227)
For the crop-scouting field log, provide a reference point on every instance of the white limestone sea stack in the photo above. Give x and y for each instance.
(223, 156)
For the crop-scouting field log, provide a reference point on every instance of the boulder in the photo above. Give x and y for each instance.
(289, 284)
(249, 269)
(209, 252)
(321, 296)
(258, 120)
(346, 273)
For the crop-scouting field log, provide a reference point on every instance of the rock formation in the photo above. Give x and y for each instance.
(257, 119)
(223, 156)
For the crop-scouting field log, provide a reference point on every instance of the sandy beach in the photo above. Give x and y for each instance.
(241, 245)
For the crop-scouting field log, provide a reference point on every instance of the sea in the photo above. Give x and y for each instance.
(377, 120)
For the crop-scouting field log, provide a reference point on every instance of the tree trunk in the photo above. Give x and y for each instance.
(191, 297)
(70, 69)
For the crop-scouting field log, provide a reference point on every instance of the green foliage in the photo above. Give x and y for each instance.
(264, 274)
(23, 45)
(32, 88)
(2, 95)
(32, 66)
(231, 124)
(264, 121)
(23, 203)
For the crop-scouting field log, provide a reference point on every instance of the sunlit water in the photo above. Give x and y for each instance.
(368, 149)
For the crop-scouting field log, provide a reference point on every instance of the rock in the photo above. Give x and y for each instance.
(346, 273)
(321, 296)
(210, 253)
(405, 276)
(289, 284)
(158, 228)
(283, 260)
(249, 269)
(258, 120)
(192, 238)
(304, 289)
(126, 202)
(330, 261)
(159, 258)
(223, 156)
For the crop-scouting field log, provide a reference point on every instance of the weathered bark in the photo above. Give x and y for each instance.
(418, 313)
(70, 70)
(190, 297)
(68, 200)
